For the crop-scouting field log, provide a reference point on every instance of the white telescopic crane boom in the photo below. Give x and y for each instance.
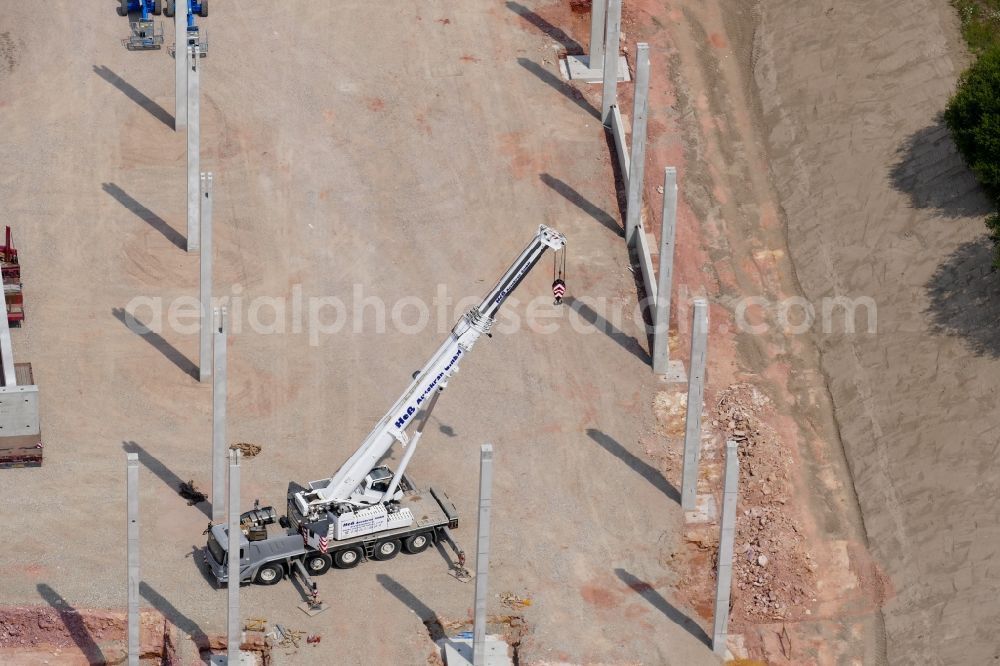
(433, 377)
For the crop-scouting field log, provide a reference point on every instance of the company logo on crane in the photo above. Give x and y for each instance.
(411, 410)
(512, 283)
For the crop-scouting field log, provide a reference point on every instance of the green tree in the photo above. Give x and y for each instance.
(973, 116)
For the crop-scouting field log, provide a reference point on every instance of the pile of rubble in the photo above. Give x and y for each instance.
(773, 573)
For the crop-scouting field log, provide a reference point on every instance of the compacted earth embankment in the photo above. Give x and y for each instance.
(879, 206)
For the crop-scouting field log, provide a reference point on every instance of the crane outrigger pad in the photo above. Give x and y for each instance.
(145, 36)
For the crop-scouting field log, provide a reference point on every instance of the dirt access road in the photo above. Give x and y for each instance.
(388, 148)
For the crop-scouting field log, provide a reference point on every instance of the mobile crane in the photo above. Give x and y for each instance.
(144, 34)
(366, 510)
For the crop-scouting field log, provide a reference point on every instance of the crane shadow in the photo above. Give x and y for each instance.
(626, 342)
(572, 46)
(74, 623)
(636, 464)
(426, 614)
(158, 342)
(164, 473)
(146, 215)
(675, 615)
(562, 87)
(135, 95)
(582, 203)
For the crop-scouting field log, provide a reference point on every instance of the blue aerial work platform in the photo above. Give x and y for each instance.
(144, 33)
(194, 35)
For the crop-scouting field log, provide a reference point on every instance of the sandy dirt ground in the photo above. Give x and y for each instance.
(806, 590)
(421, 161)
(879, 205)
(391, 148)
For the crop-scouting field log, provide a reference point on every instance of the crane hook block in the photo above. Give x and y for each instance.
(559, 290)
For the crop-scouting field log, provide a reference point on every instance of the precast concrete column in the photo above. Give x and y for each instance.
(205, 258)
(180, 65)
(483, 553)
(193, 148)
(665, 279)
(219, 417)
(598, 15)
(727, 538)
(609, 92)
(132, 481)
(637, 153)
(235, 635)
(696, 395)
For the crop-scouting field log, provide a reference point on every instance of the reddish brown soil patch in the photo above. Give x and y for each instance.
(717, 40)
(599, 597)
(97, 636)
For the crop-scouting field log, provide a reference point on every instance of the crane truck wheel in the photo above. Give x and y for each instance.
(386, 550)
(417, 543)
(317, 564)
(168, 9)
(204, 9)
(347, 558)
(269, 574)
(157, 7)
(122, 8)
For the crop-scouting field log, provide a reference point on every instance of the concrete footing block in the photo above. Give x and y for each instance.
(244, 659)
(676, 374)
(577, 68)
(705, 510)
(458, 651)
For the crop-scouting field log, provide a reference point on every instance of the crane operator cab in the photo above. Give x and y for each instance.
(375, 485)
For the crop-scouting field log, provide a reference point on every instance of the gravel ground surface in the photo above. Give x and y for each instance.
(390, 148)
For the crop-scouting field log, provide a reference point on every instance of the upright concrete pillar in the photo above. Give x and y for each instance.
(609, 92)
(132, 473)
(727, 537)
(483, 553)
(668, 230)
(180, 65)
(598, 14)
(193, 148)
(205, 255)
(696, 395)
(235, 634)
(637, 154)
(219, 417)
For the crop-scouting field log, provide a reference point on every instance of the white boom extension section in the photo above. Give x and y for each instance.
(347, 486)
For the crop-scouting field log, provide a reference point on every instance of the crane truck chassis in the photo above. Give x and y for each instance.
(266, 558)
(365, 510)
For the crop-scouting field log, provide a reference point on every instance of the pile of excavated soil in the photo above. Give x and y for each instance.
(99, 637)
(773, 571)
(772, 568)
